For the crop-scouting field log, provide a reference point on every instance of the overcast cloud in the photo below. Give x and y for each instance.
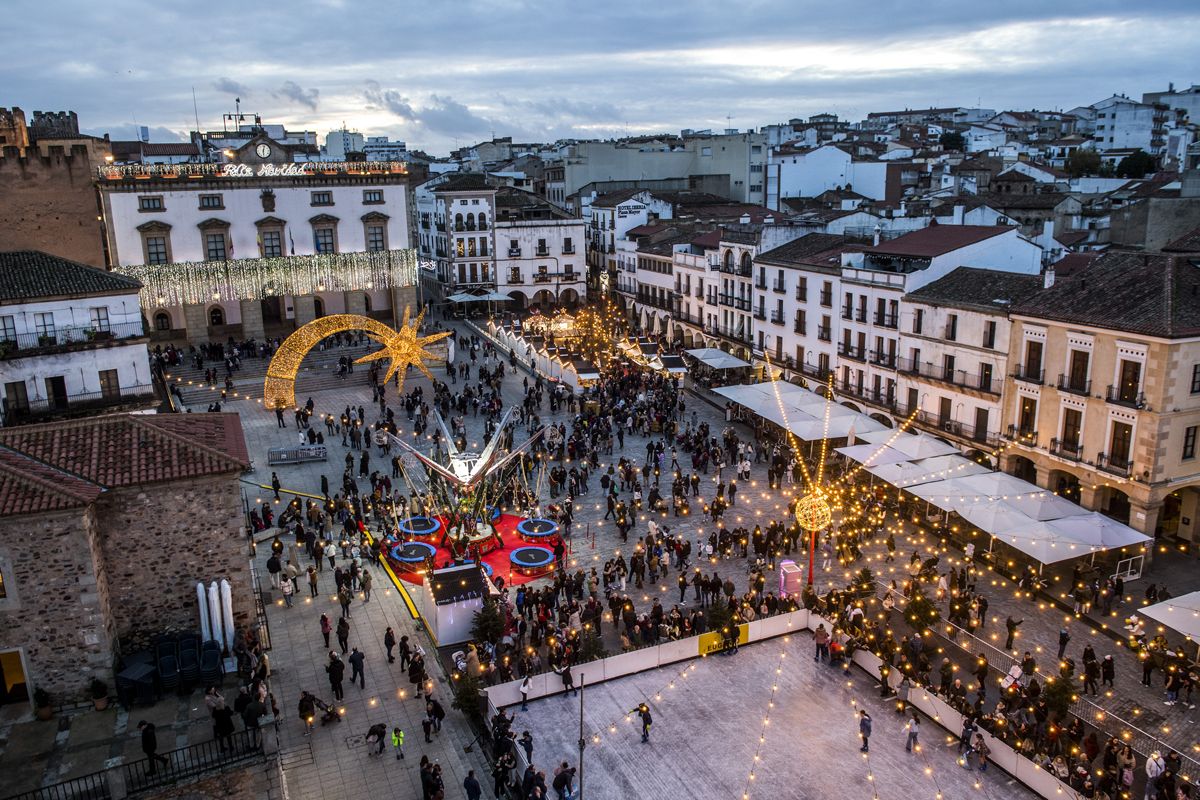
(441, 74)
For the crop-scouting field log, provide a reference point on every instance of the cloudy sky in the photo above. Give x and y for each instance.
(437, 74)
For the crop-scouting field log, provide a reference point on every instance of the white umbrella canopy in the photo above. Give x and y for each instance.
(838, 426)
(1097, 531)
(873, 455)
(926, 471)
(1180, 614)
(1043, 507)
(1042, 544)
(922, 446)
(995, 517)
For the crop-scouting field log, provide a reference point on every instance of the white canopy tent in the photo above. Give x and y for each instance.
(914, 446)
(1095, 530)
(1181, 614)
(799, 410)
(873, 455)
(926, 470)
(1048, 506)
(717, 359)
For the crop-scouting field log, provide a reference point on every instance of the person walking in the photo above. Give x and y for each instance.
(337, 672)
(312, 581)
(356, 668)
(914, 732)
(307, 708)
(864, 730)
(471, 786)
(643, 712)
(326, 628)
(1063, 638)
(1011, 625)
(526, 687)
(343, 634)
(364, 583)
(821, 641)
(150, 746)
(288, 589)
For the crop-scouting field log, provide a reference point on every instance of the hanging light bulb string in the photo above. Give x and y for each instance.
(756, 761)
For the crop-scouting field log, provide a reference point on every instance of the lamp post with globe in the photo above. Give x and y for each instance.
(813, 514)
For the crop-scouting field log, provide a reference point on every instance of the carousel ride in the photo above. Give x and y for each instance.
(455, 516)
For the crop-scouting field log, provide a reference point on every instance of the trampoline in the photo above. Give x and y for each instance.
(420, 527)
(537, 530)
(531, 561)
(413, 555)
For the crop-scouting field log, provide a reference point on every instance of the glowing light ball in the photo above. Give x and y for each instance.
(813, 513)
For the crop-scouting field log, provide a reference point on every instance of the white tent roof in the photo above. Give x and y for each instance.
(1043, 544)
(926, 471)
(873, 455)
(798, 409)
(915, 447)
(717, 359)
(1180, 614)
(1043, 507)
(1097, 531)
(995, 517)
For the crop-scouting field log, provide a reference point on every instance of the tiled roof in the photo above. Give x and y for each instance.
(645, 230)
(801, 250)
(987, 289)
(133, 449)
(170, 149)
(615, 198)
(1014, 176)
(937, 240)
(29, 274)
(1073, 262)
(464, 182)
(28, 486)
(1154, 294)
(1188, 243)
(1034, 201)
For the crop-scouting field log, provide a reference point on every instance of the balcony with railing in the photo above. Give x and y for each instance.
(541, 251)
(514, 252)
(1021, 435)
(779, 287)
(802, 294)
(953, 428)
(737, 333)
(953, 377)
(733, 301)
(861, 315)
(799, 326)
(568, 249)
(886, 320)
(848, 312)
(1127, 396)
(760, 313)
(880, 399)
(824, 333)
(950, 332)
(1080, 387)
(827, 299)
(733, 269)
(851, 352)
(1066, 448)
(820, 373)
(1114, 465)
(777, 317)
(883, 359)
(1023, 373)
(760, 284)
(60, 340)
(78, 403)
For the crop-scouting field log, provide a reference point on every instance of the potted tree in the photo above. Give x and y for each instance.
(41, 704)
(99, 690)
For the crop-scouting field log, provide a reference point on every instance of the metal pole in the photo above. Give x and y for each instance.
(582, 741)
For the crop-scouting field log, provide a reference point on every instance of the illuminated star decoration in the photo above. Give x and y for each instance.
(405, 348)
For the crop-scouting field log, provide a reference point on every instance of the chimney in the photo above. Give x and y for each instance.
(878, 234)
(1048, 277)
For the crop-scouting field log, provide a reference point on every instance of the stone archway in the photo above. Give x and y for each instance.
(1021, 467)
(1112, 502)
(1065, 484)
(883, 419)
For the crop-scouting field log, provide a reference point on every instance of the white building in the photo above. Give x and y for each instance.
(260, 244)
(954, 343)
(1123, 123)
(339, 143)
(795, 172)
(381, 148)
(609, 217)
(480, 238)
(71, 339)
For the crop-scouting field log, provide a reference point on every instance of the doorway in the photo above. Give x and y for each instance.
(13, 685)
(56, 392)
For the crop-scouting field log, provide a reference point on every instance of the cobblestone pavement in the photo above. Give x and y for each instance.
(298, 654)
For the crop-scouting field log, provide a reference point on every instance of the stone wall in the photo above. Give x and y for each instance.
(48, 202)
(57, 609)
(159, 540)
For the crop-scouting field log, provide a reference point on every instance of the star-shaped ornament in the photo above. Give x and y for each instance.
(405, 347)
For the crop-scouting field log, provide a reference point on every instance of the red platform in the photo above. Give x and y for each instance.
(498, 559)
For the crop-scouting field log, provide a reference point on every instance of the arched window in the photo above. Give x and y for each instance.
(470, 222)
(483, 222)
(367, 303)
(729, 259)
(746, 265)
(216, 316)
(458, 222)
(162, 321)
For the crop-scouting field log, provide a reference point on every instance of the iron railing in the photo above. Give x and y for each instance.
(23, 344)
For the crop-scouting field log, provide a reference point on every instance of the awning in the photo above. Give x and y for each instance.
(1044, 507)
(586, 370)
(926, 471)
(495, 297)
(1097, 531)
(673, 365)
(463, 297)
(717, 359)
(914, 446)
(798, 410)
(1181, 614)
